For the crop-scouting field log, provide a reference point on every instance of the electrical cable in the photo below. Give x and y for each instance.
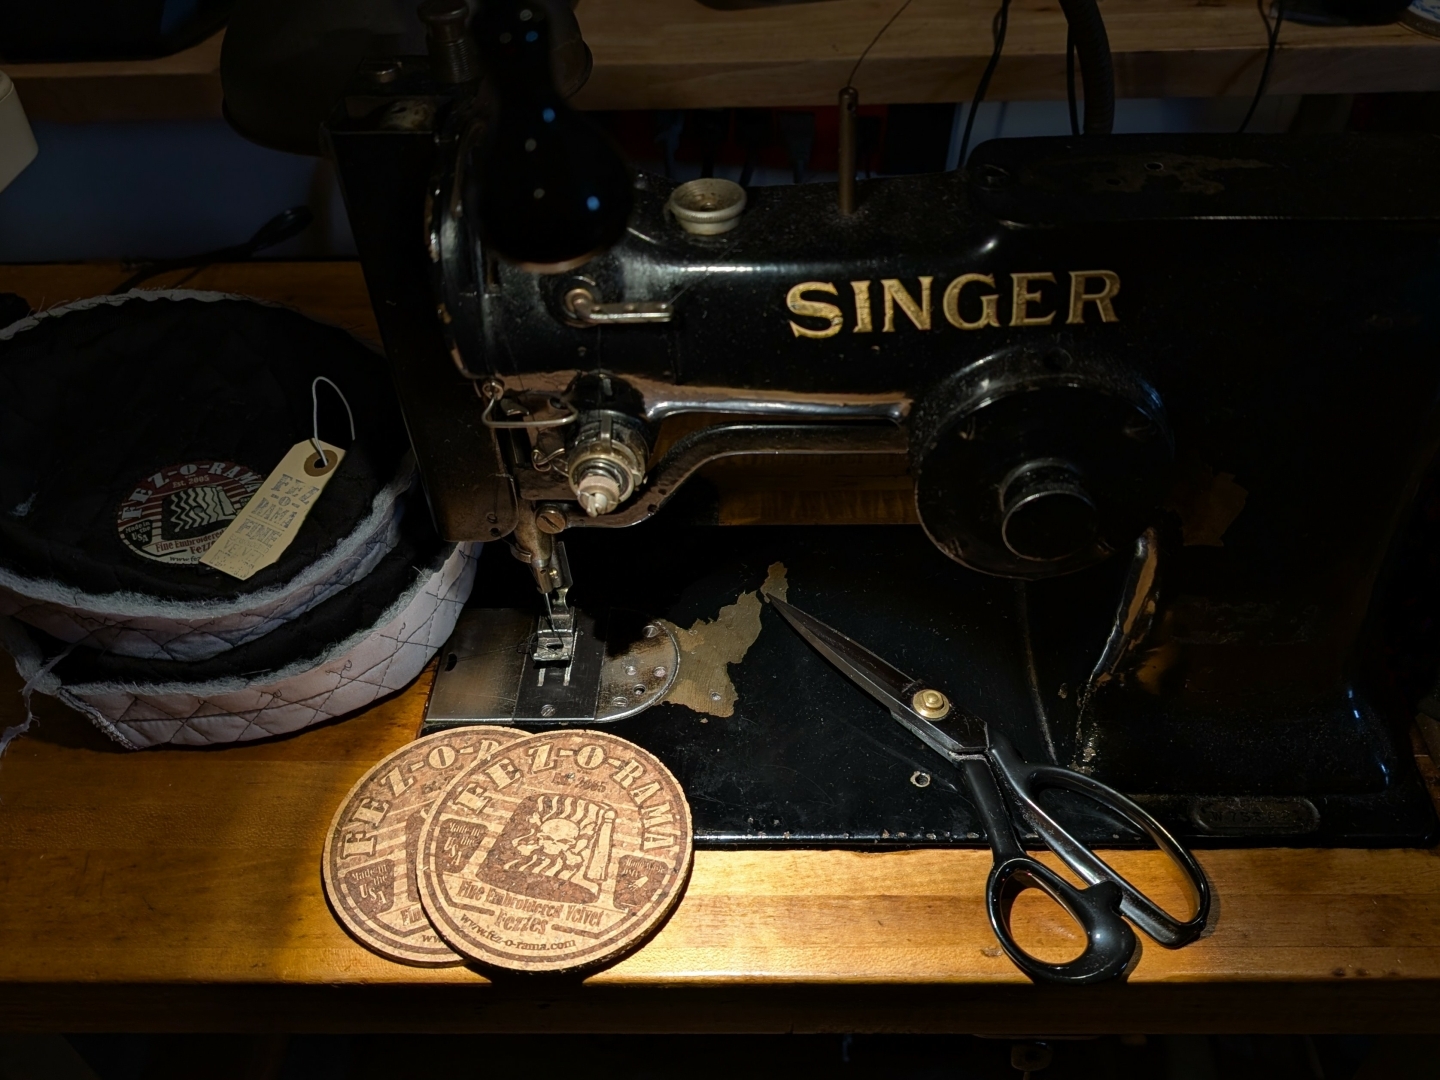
(1272, 32)
(1097, 69)
(850, 103)
(998, 26)
(1070, 82)
(1086, 39)
(283, 226)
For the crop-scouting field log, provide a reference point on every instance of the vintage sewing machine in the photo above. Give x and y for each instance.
(1166, 402)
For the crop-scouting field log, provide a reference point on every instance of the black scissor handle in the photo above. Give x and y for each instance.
(1024, 779)
(1109, 941)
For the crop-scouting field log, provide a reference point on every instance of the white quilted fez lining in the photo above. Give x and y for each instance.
(353, 673)
(152, 628)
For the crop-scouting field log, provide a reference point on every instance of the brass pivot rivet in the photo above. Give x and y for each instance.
(931, 704)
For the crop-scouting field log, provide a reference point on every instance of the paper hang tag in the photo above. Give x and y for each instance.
(267, 523)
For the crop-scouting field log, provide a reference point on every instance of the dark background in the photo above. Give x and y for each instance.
(700, 1057)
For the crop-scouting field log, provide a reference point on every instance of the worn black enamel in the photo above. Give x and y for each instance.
(808, 759)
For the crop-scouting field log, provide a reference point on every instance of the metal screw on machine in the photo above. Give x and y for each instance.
(931, 704)
(550, 519)
(451, 48)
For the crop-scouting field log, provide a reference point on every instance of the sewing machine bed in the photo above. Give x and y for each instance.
(796, 756)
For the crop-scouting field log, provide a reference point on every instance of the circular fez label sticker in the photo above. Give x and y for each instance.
(176, 513)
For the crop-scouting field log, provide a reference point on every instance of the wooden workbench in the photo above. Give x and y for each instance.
(680, 54)
(180, 890)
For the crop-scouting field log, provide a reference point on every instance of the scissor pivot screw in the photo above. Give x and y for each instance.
(931, 704)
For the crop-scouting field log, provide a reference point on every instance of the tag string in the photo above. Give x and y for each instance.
(10, 734)
(315, 415)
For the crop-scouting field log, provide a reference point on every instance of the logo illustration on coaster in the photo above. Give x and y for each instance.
(174, 514)
(563, 851)
(369, 861)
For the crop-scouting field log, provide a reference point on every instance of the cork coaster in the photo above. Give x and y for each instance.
(562, 852)
(369, 861)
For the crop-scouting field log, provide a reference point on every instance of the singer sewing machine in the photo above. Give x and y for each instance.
(1166, 402)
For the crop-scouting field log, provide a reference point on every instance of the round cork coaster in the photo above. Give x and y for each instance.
(369, 860)
(562, 852)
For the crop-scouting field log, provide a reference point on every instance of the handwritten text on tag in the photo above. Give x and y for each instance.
(268, 523)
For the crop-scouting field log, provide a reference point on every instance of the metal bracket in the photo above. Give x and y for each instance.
(585, 308)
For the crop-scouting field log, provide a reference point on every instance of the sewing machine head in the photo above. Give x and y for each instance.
(1211, 359)
(1042, 336)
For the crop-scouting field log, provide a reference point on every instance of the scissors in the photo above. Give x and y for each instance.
(996, 774)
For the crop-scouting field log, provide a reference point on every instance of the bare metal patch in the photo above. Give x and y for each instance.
(708, 648)
(1208, 503)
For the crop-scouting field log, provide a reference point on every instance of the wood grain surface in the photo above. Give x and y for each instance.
(180, 890)
(681, 54)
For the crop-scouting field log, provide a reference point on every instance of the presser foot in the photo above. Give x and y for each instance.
(499, 668)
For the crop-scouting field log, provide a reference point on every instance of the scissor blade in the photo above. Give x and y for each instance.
(884, 682)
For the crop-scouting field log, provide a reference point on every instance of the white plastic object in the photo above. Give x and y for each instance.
(17, 141)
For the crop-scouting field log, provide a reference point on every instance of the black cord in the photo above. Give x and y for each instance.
(277, 230)
(997, 30)
(1272, 30)
(1097, 67)
(1070, 82)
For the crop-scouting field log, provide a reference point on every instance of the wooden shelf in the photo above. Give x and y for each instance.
(681, 54)
(185, 86)
(677, 53)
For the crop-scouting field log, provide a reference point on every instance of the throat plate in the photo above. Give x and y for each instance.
(620, 665)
